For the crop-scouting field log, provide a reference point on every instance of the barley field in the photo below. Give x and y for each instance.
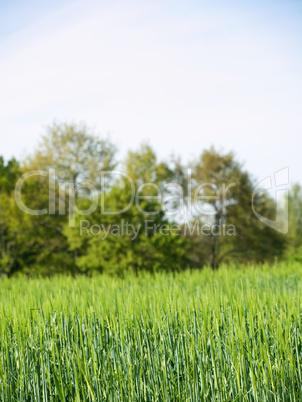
(230, 335)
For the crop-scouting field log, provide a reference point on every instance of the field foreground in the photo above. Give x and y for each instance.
(223, 336)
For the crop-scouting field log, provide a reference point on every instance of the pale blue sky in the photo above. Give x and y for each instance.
(181, 74)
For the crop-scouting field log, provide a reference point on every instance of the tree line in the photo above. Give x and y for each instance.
(203, 217)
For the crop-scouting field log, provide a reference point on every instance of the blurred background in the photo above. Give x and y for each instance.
(180, 75)
(152, 88)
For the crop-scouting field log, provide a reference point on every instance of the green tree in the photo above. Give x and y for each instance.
(76, 151)
(9, 173)
(294, 206)
(82, 156)
(13, 224)
(149, 249)
(225, 192)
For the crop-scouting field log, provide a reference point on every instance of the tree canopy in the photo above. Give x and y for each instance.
(126, 225)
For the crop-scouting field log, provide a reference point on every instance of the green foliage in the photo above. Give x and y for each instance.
(231, 335)
(74, 150)
(227, 192)
(293, 207)
(45, 244)
(118, 251)
(12, 223)
(9, 173)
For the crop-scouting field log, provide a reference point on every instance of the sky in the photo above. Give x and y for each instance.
(180, 75)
